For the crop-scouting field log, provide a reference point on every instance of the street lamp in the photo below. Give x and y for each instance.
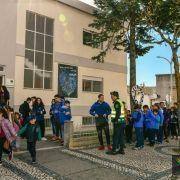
(171, 76)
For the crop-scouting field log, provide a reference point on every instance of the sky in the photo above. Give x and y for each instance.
(149, 65)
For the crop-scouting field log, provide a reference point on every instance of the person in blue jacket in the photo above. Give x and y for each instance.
(57, 111)
(155, 122)
(39, 111)
(137, 117)
(65, 117)
(162, 114)
(101, 110)
(147, 120)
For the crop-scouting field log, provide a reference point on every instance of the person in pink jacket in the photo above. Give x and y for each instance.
(7, 132)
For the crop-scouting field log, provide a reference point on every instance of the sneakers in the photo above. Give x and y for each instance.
(0, 163)
(137, 148)
(121, 152)
(10, 155)
(34, 162)
(44, 139)
(101, 148)
(112, 152)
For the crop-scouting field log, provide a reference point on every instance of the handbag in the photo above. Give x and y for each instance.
(6, 144)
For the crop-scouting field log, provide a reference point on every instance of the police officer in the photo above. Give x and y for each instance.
(118, 120)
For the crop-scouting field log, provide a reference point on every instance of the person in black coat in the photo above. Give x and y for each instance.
(4, 96)
(25, 110)
(39, 111)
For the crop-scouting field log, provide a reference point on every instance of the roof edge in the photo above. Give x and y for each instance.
(79, 5)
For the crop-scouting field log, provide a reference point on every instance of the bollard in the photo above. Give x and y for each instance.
(68, 132)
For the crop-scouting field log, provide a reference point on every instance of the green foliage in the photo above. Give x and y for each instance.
(113, 21)
(163, 16)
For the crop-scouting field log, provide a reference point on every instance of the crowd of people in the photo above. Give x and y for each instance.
(29, 123)
(153, 124)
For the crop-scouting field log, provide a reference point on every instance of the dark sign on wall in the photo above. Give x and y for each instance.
(68, 81)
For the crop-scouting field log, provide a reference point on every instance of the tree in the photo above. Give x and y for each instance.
(163, 17)
(120, 26)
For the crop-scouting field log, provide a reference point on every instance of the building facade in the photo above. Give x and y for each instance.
(45, 49)
(163, 85)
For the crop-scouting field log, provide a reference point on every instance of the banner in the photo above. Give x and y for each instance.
(68, 81)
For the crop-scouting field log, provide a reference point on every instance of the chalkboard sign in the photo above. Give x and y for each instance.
(68, 81)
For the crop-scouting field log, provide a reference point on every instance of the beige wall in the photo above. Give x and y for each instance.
(68, 35)
(67, 40)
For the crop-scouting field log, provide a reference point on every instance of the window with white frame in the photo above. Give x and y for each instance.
(92, 84)
(38, 68)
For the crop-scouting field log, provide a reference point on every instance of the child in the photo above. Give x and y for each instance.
(129, 127)
(66, 116)
(155, 122)
(137, 117)
(7, 134)
(32, 134)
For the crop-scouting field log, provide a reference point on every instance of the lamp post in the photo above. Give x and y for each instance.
(171, 76)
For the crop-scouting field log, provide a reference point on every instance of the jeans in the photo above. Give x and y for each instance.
(2, 141)
(160, 134)
(128, 131)
(42, 127)
(53, 124)
(100, 127)
(139, 137)
(31, 147)
(118, 136)
(174, 130)
(58, 128)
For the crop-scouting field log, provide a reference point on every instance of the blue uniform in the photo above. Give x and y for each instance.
(65, 115)
(138, 119)
(39, 112)
(100, 109)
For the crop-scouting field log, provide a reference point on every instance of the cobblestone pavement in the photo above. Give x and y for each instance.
(148, 163)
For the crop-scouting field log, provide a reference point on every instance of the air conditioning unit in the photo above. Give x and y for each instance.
(9, 82)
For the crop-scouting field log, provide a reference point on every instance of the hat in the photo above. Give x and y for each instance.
(115, 93)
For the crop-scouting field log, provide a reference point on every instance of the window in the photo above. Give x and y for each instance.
(88, 121)
(38, 66)
(89, 37)
(91, 84)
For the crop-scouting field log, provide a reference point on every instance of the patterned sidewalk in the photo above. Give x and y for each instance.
(58, 163)
(148, 163)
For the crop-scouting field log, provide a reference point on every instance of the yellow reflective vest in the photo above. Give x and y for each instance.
(121, 119)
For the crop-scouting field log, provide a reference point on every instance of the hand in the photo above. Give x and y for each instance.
(96, 115)
(105, 116)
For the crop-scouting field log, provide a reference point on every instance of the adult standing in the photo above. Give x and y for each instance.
(25, 110)
(39, 111)
(57, 111)
(4, 96)
(118, 120)
(101, 110)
